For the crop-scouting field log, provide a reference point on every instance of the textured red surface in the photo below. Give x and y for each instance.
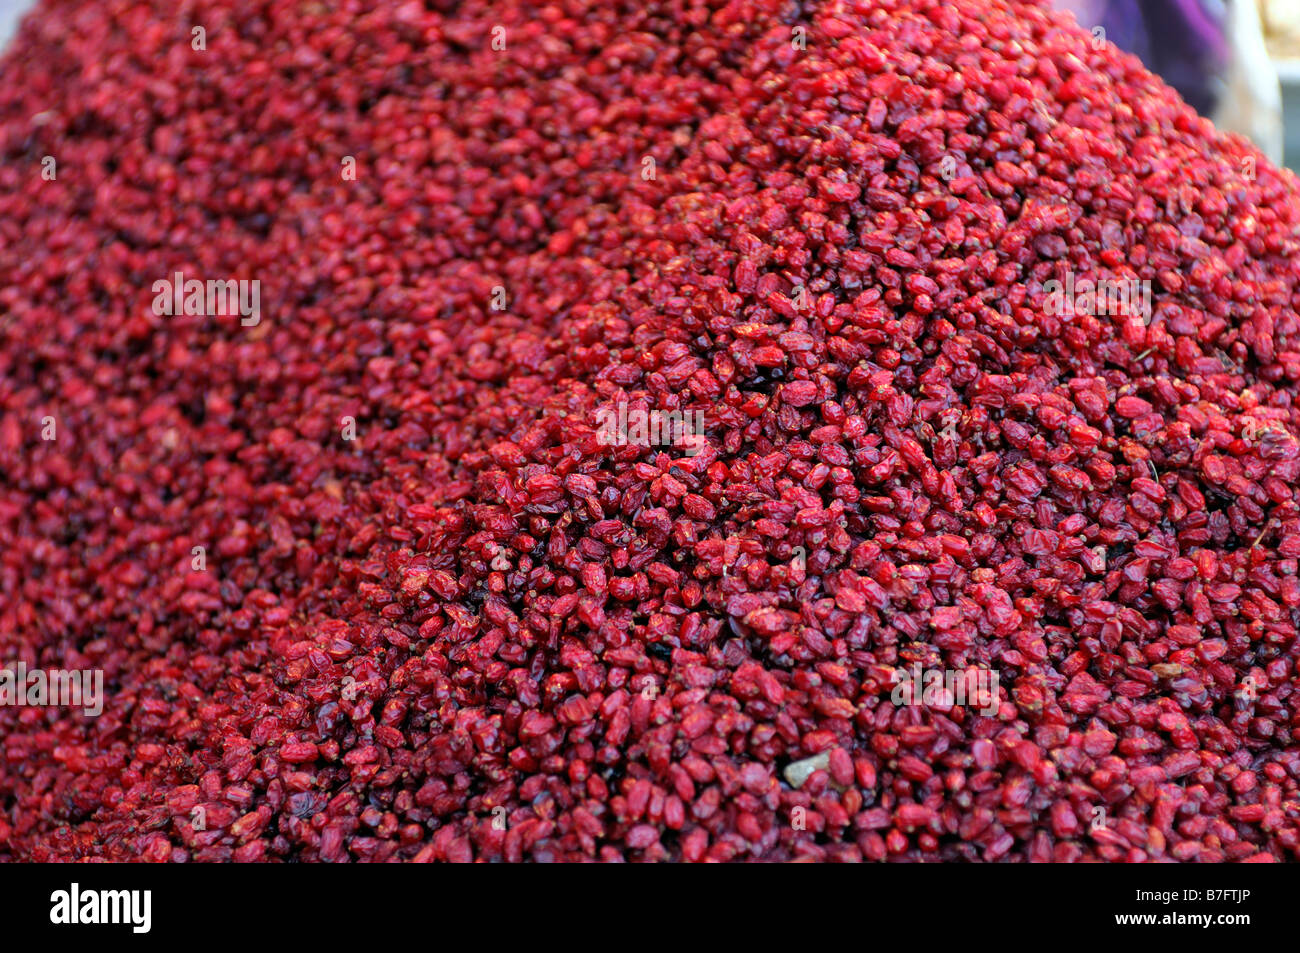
(477, 631)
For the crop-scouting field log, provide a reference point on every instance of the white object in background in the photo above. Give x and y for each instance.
(1252, 100)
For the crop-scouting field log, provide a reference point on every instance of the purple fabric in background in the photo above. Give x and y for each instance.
(1185, 41)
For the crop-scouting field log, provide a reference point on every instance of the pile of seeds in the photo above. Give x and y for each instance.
(368, 578)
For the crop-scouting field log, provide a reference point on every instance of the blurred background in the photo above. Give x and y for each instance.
(1236, 61)
(1280, 22)
(10, 11)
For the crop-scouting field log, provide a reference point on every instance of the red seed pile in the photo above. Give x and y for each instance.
(479, 631)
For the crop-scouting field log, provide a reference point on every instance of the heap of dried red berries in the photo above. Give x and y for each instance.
(368, 580)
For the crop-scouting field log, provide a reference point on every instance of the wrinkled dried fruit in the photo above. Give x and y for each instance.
(664, 385)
